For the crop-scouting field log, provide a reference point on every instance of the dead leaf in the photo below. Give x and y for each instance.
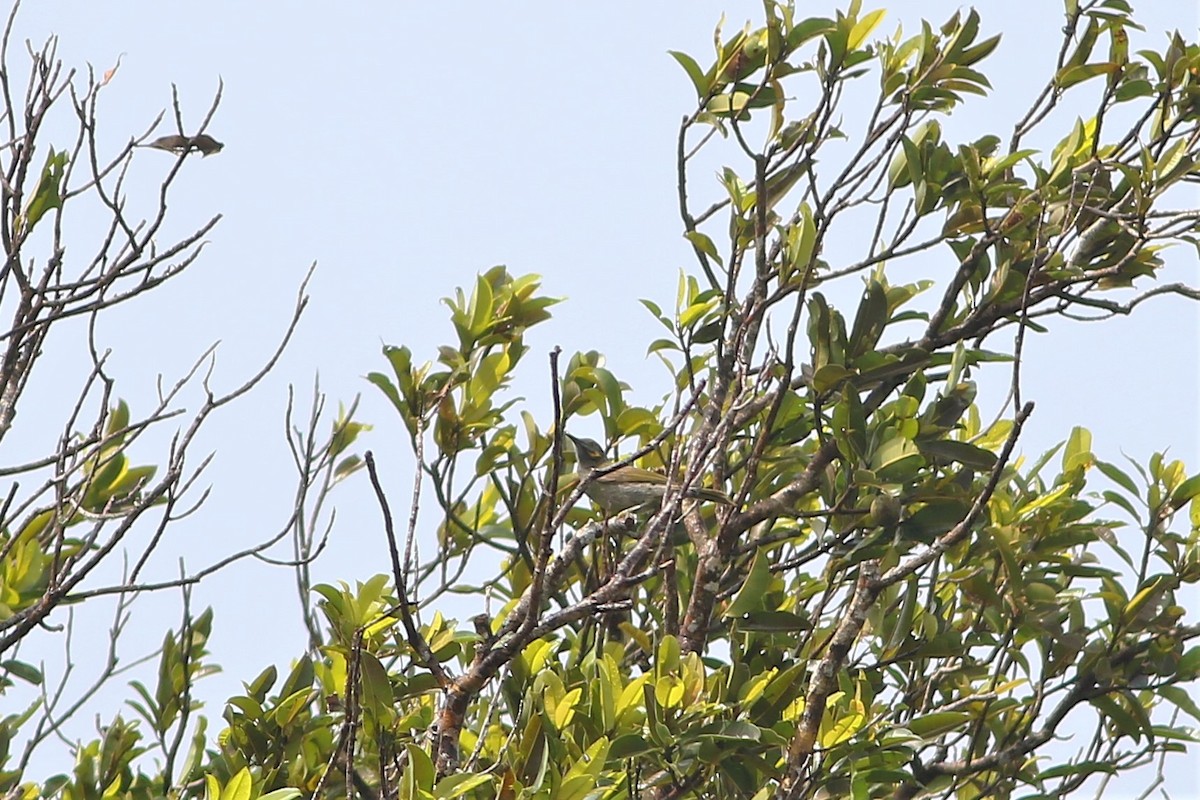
(108, 75)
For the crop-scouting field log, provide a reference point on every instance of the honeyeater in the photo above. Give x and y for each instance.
(627, 486)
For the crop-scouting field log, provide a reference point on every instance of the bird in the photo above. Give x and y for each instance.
(627, 486)
(202, 143)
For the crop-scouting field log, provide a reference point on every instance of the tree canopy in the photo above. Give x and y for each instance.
(852, 584)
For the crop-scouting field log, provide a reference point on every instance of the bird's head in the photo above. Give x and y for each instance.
(588, 452)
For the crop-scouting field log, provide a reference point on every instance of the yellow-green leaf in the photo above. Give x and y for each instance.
(48, 194)
(862, 29)
(239, 786)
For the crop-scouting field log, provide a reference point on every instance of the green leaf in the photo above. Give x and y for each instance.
(592, 762)
(1167, 167)
(750, 596)
(26, 672)
(694, 313)
(897, 460)
(964, 453)
(823, 323)
(482, 307)
(668, 656)
(774, 622)
(1087, 41)
(1149, 593)
(1189, 664)
(661, 344)
(1118, 477)
(782, 180)
(998, 166)
(863, 28)
(1069, 76)
(37, 524)
(707, 333)
(611, 387)
(1129, 716)
(577, 787)
(118, 420)
(829, 377)
(195, 753)
(291, 707)
(705, 245)
(870, 320)
(1119, 499)
(1044, 500)
(1077, 769)
(1079, 450)
(653, 308)
(629, 745)
(729, 103)
(239, 787)
(801, 253)
(809, 29)
(733, 730)
(131, 480)
(1133, 89)
(377, 689)
(912, 162)
(459, 784)
(699, 78)
(837, 728)
(99, 490)
(874, 367)
(1182, 699)
(638, 421)
(420, 774)
(930, 726)
(932, 520)
(1185, 491)
(784, 686)
(979, 52)
(48, 194)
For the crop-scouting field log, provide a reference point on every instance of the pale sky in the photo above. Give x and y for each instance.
(405, 147)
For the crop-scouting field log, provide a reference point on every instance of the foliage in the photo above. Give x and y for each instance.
(894, 604)
(81, 521)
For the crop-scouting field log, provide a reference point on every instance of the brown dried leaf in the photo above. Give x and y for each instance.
(108, 75)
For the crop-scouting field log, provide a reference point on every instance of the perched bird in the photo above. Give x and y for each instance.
(626, 486)
(202, 143)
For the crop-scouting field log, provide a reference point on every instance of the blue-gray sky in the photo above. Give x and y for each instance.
(405, 147)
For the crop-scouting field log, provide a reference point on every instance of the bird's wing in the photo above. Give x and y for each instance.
(635, 475)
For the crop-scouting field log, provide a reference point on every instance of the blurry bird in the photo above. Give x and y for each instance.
(202, 143)
(627, 486)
